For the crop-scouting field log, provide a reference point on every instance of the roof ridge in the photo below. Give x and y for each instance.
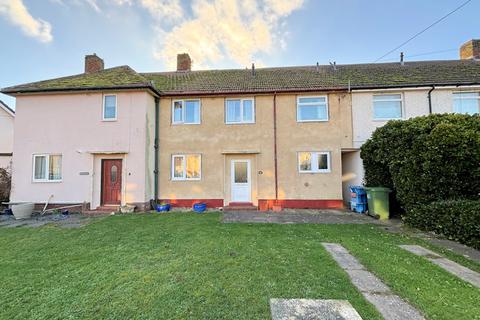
(306, 66)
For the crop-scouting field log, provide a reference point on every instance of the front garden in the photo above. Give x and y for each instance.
(190, 266)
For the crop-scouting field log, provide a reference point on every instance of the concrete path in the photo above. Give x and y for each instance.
(454, 268)
(298, 216)
(306, 309)
(390, 306)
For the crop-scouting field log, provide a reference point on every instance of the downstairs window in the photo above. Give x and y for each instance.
(47, 167)
(186, 167)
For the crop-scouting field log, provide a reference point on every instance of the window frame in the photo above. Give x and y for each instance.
(116, 107)
(311, 104)
(47, 166)
(454, 97)
(314, 162)
(184, 164)
(183, 101)
(241, 111)
(402, 112)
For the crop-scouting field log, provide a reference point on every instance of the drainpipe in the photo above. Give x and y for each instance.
(155, 146)
(275, 143)
(430, 100)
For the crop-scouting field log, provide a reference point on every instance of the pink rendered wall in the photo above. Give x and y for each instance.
(71, 125)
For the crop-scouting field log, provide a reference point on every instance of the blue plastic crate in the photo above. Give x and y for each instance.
(358, 207)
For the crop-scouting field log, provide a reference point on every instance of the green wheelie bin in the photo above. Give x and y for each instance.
(378, 202)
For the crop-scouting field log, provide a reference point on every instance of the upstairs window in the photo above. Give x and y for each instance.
(47, 167)
(466, 102)
(110, 107)
(314, 162)
(312, 109)
(387, 106)
(239, 111)
(186, 167)
(186, 112)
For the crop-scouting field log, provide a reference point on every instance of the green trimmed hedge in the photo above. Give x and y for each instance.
(425, 159)
(457, 219)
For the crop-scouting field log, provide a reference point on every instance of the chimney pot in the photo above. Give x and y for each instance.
(184, 63)
(93, 63)
(470, 50)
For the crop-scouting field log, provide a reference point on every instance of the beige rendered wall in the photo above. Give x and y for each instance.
(219, 143)
(71, 125)
(6, 137)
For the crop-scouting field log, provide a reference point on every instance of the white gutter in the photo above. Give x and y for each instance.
(437, 87)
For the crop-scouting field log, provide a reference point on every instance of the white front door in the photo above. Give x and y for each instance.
(241, 181)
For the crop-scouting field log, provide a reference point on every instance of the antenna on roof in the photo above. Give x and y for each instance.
(401, 58)
(334, 65)
(318, 67)
(253, 69)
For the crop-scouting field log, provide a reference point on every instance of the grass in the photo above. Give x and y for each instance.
(181, 265)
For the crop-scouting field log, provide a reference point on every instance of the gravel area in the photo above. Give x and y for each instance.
(73, 220)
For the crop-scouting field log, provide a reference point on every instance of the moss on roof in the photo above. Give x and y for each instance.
(118, 77)
(356, 76)
(322, 77)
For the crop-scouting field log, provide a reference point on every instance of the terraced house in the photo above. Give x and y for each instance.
(266, 138)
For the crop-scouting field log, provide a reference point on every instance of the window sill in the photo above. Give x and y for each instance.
(314, 172)
(109, 120)
(300, 121)
(184, 124)
(176, 180)
(237, 123)
(47, 181)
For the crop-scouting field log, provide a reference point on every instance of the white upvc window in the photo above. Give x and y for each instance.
(186, 111)
(47, 167)
(186, 167)
(310, 109)
(239, 111)
(387, 106)
(314, 162)
(466, 102)
(109, 107)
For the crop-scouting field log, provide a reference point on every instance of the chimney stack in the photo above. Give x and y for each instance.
(184, 63)
(470, 50)
(93, 63)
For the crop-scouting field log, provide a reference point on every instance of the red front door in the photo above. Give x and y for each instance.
(111, 182)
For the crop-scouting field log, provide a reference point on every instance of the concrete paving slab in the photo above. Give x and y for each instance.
(420, 251)
(366, 282)
(335, 247)
(454, 268)
(347, 261)
(307, 309)
(390, 306)
(298, 216)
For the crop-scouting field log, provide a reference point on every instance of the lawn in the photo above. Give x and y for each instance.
(188, 266)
